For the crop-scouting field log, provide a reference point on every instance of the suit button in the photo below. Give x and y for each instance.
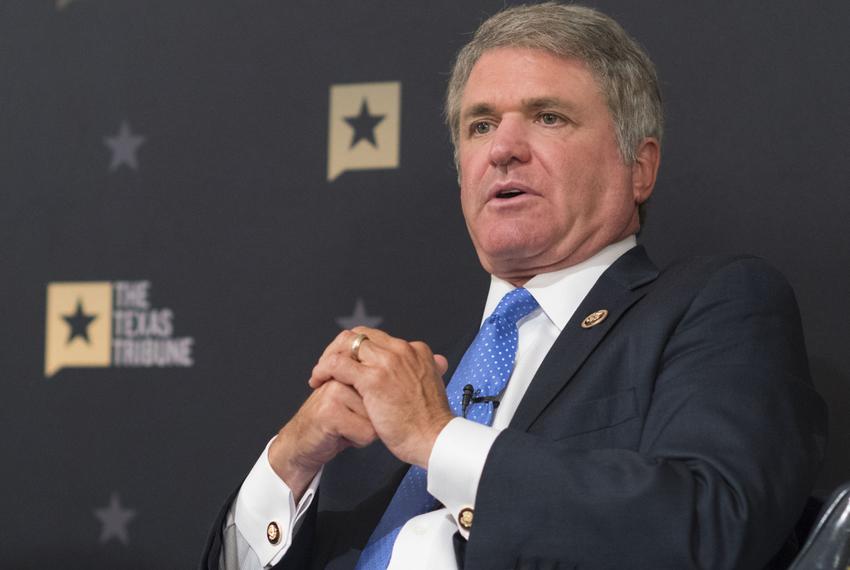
(464, 518)
(273, 533)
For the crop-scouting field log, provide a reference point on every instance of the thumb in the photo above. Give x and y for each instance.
(442, 363)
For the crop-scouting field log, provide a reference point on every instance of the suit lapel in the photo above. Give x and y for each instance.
(615, 291)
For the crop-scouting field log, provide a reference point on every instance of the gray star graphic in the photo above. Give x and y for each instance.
(124, 146)
(359, 317)
(114, 519)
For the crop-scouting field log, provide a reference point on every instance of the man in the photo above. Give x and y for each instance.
(651, 419)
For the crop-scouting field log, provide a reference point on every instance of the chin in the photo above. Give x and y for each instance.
(507, 261)
(508, 247)
(509, 240)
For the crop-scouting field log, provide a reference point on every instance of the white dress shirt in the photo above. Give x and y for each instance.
(459, 453)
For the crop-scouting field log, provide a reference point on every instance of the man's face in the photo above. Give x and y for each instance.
(543, 184)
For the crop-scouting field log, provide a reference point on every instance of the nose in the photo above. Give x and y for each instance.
(510, 142)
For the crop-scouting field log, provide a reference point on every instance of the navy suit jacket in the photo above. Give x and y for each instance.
(680, 432)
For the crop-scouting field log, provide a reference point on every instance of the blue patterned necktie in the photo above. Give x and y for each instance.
(487, 366)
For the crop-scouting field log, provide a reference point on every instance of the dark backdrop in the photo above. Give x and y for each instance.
(225, 209)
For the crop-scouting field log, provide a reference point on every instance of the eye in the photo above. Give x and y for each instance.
(481, 127)
(550, 119)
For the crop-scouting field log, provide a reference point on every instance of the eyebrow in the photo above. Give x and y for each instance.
(528, 105)
(540, 103)
(477, 110)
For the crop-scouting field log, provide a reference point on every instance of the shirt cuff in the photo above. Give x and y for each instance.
(456, 463)
(265, 499)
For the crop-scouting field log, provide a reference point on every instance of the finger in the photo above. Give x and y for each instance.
(335, 366)
(344, 413)
(424, 351)
(339, 340)
(344, 341)
(327, 404)
(442, 363)
(357, 429)
(347, 396)
(374, 336)
(373, 352)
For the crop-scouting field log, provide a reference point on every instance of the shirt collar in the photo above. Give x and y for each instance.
(560, 292)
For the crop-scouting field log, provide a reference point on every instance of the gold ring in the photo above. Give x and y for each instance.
(355, 346)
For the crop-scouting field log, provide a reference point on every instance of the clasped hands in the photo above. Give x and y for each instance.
(395, 393)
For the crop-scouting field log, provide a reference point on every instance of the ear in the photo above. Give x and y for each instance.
(645, 169)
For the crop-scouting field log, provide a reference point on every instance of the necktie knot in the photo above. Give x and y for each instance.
(515, 305)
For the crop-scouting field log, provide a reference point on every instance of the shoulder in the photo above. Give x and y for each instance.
(740, 297)
(722, 265)
(738, 308)
(726, 276)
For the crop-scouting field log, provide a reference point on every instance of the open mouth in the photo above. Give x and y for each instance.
(509, 193)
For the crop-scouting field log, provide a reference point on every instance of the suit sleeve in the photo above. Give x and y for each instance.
(728, 450)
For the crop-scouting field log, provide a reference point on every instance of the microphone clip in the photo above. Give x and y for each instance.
(469, 397)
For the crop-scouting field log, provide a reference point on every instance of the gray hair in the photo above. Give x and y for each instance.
(623, 70)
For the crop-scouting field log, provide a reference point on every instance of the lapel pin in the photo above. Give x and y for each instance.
(594, 318)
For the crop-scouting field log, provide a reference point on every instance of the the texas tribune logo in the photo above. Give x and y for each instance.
(102, 323)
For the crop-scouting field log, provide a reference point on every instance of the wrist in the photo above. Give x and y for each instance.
(289, 468)
(431, 438)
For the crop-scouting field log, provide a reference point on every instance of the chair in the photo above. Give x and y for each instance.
(828, 545)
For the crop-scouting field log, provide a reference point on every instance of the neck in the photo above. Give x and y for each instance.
(519, 278)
